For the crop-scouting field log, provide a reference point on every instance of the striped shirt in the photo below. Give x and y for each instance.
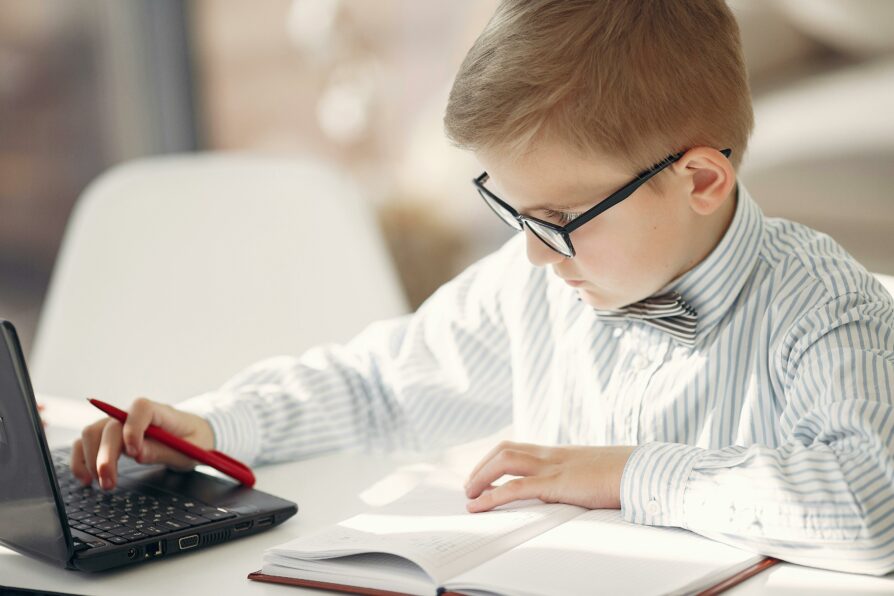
(773, 432)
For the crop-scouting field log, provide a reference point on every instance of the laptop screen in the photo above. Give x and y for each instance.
(29, 517)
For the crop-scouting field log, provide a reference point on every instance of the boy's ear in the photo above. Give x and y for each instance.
(709, 178)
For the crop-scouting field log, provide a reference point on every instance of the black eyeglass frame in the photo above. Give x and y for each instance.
(565, 231)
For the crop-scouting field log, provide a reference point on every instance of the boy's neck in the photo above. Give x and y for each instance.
(718, 224)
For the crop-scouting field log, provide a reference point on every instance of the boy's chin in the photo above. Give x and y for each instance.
(598, 300)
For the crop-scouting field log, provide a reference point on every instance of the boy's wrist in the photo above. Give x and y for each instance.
(205, 437)
(653, 483)
(231, 423)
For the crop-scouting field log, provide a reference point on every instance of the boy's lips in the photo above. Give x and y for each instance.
(574, 282)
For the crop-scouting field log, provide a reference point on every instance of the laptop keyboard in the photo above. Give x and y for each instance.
(122, 515)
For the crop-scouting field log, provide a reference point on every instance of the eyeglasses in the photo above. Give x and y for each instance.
(558, 237)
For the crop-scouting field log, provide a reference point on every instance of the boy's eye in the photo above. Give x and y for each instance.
(561, 217)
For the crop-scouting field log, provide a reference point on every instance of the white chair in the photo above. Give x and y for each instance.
(887, 281)
(176, 272)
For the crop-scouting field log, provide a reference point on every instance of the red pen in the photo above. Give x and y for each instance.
(215, 459)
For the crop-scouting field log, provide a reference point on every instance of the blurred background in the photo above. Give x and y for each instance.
(87, 84)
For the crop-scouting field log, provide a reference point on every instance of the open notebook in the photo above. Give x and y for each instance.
(425, 542)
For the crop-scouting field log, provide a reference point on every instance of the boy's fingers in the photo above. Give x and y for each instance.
(514, 490)
(108, 454)
(90, 438)
(508, 461)
(155, 452)
(139, 417)
(490, 454)
(502, 446)
(78, 467)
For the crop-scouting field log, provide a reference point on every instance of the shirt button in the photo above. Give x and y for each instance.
(640, 362)
(617, 332)
(653, 508)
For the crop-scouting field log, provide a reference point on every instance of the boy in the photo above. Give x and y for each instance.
(659, 345)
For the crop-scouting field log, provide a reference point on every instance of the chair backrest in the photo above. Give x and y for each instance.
(176, 272)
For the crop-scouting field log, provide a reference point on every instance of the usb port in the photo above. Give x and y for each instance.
(189, 541)
(265, 521)
(242, 527)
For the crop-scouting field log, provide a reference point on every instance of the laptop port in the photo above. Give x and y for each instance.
(242, 526)
(189, 542)
(154, 550)
(131, 553)
(265, 521)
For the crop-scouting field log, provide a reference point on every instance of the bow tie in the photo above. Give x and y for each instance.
(668, 312)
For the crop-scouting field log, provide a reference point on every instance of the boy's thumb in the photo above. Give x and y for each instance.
(154, 452)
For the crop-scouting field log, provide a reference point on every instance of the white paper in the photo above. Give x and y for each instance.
(600, 553)
(430, 527)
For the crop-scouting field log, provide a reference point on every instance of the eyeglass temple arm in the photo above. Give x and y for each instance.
(620, 196)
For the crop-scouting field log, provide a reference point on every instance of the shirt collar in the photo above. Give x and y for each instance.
(713, 285)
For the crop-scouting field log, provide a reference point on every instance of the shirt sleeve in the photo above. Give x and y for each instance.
(823, 497)
(423, 381)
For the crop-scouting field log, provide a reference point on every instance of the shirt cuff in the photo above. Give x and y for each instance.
(653, 482)
(233, 421)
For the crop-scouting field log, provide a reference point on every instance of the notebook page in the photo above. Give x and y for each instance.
(598, 552)
(430, 527)
(370, 570)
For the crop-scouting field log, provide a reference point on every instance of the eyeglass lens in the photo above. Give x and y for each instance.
(505, 215)
(552, 238)
(548, 236)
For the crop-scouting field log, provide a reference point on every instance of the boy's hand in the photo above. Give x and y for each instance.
(585, 476)
(95, 455)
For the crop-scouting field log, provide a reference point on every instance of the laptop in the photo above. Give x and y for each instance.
(153, 512)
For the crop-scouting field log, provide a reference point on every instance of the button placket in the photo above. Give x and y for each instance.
(632, 376)
(640, 362)
(651, 362)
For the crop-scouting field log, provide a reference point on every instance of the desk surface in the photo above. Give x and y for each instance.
(343, 485)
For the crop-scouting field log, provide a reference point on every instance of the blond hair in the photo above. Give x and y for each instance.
(634, 79)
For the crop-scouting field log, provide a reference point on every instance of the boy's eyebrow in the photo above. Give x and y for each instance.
(560, 207)
(554, 207)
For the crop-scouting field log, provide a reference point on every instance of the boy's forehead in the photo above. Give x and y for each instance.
(550, 177)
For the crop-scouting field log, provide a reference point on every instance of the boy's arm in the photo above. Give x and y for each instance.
(438, 376)
(825, 496)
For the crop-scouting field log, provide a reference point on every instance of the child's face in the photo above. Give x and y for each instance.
(623, 255)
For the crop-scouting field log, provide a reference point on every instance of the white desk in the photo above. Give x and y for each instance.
(327, 489)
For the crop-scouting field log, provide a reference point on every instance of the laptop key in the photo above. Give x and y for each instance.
(216, 514)
(172, 524)
(105, 535)
(79, 545)
(152, 530)
(116, 540)
(191, 519)
(107, 525)
(133, 535)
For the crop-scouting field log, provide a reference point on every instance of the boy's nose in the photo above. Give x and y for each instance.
(539, 254)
